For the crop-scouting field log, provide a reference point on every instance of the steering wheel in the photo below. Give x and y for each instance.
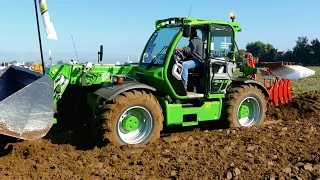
(146, 58)
(177, 67)
(178, 55)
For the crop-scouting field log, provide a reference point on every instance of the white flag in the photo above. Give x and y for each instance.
(51, 33)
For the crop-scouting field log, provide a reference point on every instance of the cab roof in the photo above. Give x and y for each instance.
(194, 21)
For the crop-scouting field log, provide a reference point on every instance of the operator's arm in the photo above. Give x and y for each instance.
(186, 49)
(189, 48)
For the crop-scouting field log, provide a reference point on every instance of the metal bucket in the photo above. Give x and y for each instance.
(26, 103)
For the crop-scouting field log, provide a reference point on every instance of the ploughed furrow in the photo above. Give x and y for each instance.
(287, 146)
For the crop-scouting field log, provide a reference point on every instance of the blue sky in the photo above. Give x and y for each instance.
(124, 28)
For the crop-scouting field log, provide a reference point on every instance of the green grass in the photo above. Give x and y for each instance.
(311, 83)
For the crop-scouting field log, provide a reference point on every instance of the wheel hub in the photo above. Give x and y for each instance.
(130, 123)
(244, 111)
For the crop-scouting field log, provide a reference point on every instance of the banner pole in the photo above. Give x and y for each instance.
(39, 36)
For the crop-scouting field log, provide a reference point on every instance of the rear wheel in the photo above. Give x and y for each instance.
(246, 106)
(134, 117)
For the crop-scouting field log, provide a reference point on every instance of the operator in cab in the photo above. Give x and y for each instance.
(193, 55)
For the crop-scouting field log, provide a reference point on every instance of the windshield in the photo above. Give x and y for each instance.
(158, 45)
(221, 40)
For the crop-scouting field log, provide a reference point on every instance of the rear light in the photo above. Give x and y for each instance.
(118, 79)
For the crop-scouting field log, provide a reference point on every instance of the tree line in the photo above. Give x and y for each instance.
(304, 52)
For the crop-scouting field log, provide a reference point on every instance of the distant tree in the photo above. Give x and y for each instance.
(269, 56)
(315, 51)
(256, 48)
(60, 62)
(301, 52)
(240, 58)
(261, 51)
(289, 56)
(305, 52)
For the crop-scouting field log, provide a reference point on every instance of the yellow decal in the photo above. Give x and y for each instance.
(43, 7)
(105, 77)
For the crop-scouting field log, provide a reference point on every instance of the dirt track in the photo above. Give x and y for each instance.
(287, 147)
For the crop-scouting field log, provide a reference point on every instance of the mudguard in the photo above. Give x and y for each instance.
(253, 82)
(110, 91)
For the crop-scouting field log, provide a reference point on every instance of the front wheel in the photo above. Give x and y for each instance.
(246, 106)
(134, 117)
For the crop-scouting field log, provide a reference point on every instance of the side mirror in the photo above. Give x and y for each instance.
(186, 31)
(100, 54)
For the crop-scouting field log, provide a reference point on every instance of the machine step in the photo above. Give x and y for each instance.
(191, 123)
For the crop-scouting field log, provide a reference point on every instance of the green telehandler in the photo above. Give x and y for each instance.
(132, 103)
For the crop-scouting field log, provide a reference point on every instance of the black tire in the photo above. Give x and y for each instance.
(234, 100)
(107, 116)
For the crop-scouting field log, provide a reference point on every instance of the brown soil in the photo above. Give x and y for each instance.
(287, 147)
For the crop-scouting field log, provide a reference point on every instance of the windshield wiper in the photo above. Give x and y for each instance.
(155, 58)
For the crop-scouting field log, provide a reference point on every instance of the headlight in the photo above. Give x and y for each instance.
(114, 79)
(62, 80)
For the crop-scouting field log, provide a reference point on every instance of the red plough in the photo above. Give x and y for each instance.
(280, 90)
(277, 78)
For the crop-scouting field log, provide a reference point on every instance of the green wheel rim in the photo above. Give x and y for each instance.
(249, 112)
(135, 125)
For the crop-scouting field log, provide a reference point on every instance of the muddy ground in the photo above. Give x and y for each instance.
(286, 147)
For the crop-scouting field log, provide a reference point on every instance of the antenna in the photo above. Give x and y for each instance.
(75, 50)
(50, 59)
(190, 11)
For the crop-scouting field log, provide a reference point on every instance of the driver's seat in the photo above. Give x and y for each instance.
(194, 78)
(198, 71)
(195, 75)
